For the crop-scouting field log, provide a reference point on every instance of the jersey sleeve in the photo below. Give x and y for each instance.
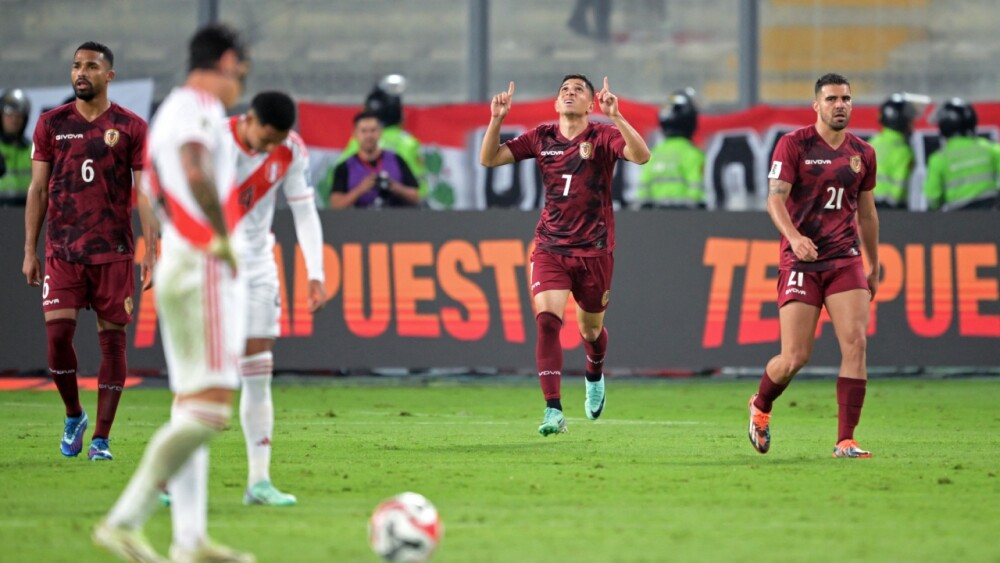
(871, 167)
(137, 151)
(784, 161)
(523, 146)
(296, 183)
(41, 145)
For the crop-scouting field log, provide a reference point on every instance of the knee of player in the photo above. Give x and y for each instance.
(797, 359)
(590, 333)
(548, 323)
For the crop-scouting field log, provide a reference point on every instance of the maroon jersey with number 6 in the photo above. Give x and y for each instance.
(826, 184)
(578, 217)
(90, 187)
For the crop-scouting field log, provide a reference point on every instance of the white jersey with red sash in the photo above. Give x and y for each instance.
(200, 301)
(258, 176)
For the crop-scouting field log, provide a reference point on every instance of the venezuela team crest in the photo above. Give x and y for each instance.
(856, 163)
(585, 150)
(111, 137)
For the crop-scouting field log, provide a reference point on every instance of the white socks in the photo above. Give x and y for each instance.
(192, 424)
(257, 414)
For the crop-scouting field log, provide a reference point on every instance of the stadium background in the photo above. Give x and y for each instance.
(752, 63)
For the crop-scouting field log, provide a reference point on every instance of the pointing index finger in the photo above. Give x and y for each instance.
(510, 89)
(605, 83)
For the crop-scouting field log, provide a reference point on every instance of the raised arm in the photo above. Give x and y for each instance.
(635, 146)
(492, 153)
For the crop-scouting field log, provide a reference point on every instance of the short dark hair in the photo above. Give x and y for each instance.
(211, 42)
(367, 114)
(579, 77)
(828, 79)
(100, 48)
(274, 108)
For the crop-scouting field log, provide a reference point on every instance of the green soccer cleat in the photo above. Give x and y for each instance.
(553, 422)
(128, 544)
(594, 403)
(264, 493)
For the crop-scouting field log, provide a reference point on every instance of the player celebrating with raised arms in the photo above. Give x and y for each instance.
(820, 199)
(575, 236)
(269, 155)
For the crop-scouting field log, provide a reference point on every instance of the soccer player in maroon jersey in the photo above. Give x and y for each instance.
(820, 199)
(575, 237)
(86, 155)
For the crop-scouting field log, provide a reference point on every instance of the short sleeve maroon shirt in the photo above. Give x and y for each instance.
(90, 187)
(578, 217)
(826, 184)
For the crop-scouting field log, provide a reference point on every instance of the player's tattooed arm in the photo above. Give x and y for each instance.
(778, 188)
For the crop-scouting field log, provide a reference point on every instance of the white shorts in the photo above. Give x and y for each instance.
(202, 311)
(263, 299)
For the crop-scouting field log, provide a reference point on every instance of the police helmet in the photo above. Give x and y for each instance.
(897, 113)
(679, 116)
(15, 101)
(386, 99)
(956, 117)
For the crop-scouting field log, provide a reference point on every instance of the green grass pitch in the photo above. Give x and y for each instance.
(667, 474)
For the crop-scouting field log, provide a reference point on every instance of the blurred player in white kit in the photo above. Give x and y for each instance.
(269, 155)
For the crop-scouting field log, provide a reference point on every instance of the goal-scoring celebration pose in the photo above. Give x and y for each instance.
(575, 237)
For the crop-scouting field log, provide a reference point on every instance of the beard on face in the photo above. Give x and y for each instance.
(85, 93)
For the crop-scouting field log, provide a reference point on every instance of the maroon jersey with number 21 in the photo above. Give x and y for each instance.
(826, 183)
(578, 217)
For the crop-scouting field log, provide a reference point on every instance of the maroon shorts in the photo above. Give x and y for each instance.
(105, 288)
(814, 287)
(587, 277)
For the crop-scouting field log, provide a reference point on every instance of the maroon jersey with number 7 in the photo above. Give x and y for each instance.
(578, 217)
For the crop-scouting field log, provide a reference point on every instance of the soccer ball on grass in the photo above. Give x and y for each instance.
(405, 527)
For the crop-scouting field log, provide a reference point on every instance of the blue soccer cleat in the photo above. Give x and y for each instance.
(594, 403)
(99, 450)
(553, 422)
(72, 440)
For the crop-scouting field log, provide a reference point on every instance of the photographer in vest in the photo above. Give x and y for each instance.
(374, 177)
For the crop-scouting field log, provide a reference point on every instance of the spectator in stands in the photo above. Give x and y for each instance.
(386, 102)
(674, 177)
(15, 148)
(373, 176)
(893, 153)
(600, 12)
(965, 172)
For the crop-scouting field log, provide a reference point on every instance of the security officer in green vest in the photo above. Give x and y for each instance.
(965, 172)
(386, 101)
(893, 155)
(15, 148)
(674, 176)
